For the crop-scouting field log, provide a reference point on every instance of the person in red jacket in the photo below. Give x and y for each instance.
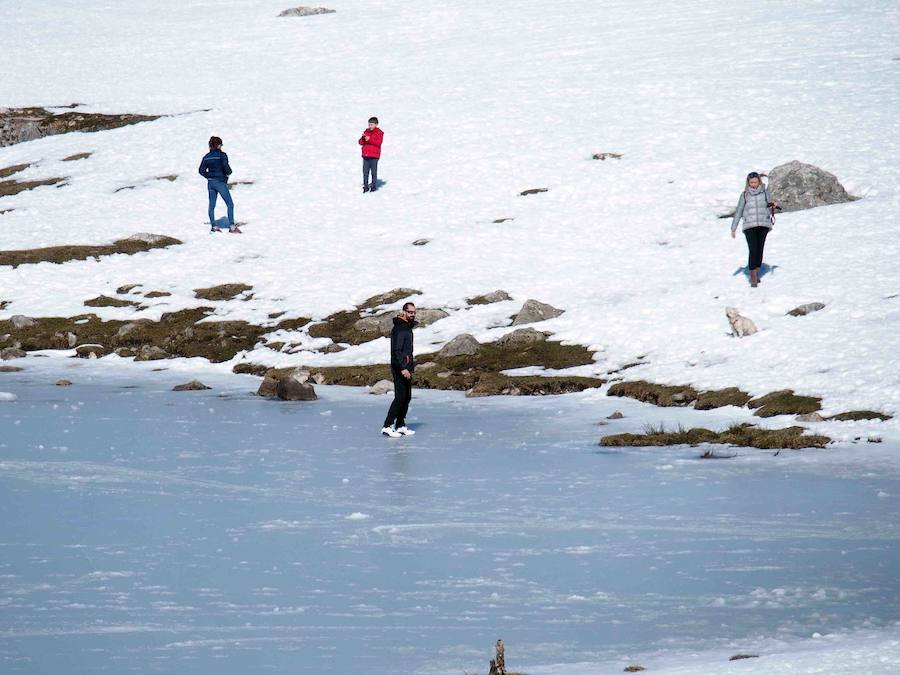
(371, 151)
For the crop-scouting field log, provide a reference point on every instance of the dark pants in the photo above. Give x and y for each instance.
(756, 242)
(400, 404)
(219, 187)
(370, 165)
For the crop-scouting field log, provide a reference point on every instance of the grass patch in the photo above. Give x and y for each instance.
(10, 170)
(62, 254)
(177, 333)
(14, 187)
(741, 435)
(663, 395)
(856, 415)
(221, 292)
(339, 326)
(718, 398)
(495, 358)
(784, 402)
(106, 301)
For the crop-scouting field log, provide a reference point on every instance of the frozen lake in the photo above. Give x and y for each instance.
(145, 530)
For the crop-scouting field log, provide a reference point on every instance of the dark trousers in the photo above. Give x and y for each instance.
(756, 242)
(370, 165)
(402, 397)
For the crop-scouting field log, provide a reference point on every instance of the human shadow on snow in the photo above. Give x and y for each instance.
(763, 270)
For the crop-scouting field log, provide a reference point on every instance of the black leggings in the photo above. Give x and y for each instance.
(756, 242)
(402, 397)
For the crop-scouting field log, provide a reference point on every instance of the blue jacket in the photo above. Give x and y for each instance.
(215, 166)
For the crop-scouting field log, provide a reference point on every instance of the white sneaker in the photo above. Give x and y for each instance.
(389, 431)
(403, 431)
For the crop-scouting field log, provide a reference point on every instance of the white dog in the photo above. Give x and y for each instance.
(741, 326)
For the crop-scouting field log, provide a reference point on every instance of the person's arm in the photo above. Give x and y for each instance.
(225, 166)
(362, 139)
(397, 360)
(203, 168)
(738, 212)
(375, 139)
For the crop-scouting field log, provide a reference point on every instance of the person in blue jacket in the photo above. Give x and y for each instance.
(215, 169)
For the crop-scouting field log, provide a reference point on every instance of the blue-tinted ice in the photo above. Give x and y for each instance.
(143, 530)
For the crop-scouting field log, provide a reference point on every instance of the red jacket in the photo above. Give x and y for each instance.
(372, 147)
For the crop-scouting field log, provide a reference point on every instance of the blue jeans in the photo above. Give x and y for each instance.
(370, 166)
(219, 187)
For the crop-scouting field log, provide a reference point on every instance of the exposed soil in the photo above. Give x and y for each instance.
(62, 254)
(106, 301)
(25, 124)
(221, 292)
(9, 188)
(10, 170)
(77, 156)
(856, 415)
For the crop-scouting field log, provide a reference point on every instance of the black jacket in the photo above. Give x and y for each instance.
(402, 345)
(215, 166)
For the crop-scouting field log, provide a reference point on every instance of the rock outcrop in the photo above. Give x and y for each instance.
(808, 308)
(460, 345)
(797, 186)
(533, 311)
(193, 385)
(18, 125)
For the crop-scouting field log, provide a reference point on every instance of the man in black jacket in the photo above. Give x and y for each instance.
(402, 367)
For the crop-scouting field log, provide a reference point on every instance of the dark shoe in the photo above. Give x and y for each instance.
(213, 230)
(365, 188)
(372, 189)
(235, 230)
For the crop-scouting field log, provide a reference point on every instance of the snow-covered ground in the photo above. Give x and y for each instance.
(145, 530)
(478, 102)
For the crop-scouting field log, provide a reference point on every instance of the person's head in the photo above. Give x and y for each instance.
(215, 142)
(373, 122)
(409, 311)
(753, 180)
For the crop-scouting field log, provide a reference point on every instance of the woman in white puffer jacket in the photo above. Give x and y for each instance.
(755, 209)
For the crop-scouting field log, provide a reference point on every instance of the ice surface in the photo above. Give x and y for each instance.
(214, 531)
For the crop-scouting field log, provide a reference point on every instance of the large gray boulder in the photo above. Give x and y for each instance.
(489, 298)
(22, 321)
(521, 337)
(382, 387)
(12, 353)
(533, 311)
(151, 353)
(295, 386)
(797, 186)
(461, 345)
